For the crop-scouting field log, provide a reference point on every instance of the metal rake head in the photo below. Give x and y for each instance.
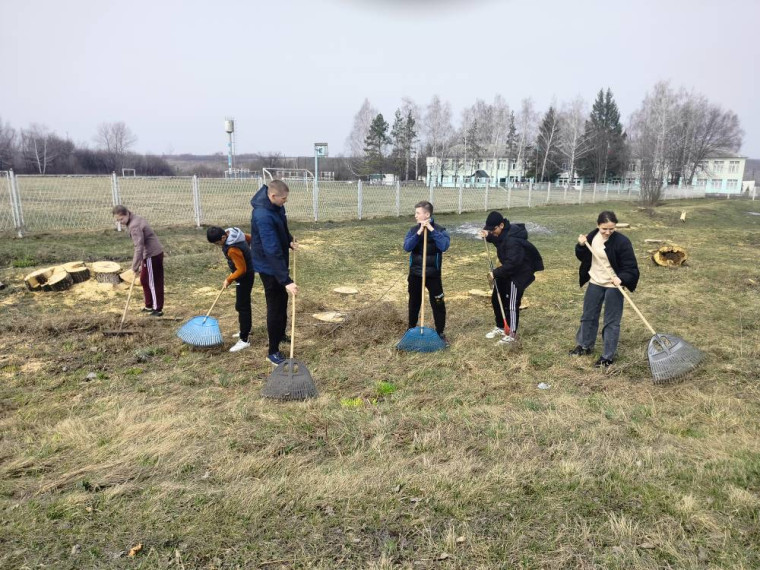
(291, 380)
(671, 357)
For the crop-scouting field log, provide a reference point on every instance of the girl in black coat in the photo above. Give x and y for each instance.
(613, 253)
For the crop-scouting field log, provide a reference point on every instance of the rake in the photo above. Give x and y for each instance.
(422, 338)
(496, 286)
(291, 380)
(202, 331)
(119, 331)
(670, 357)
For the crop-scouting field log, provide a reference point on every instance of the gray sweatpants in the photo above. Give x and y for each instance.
(613, 312)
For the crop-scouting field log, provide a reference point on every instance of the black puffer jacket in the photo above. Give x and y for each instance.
(620, 254)
(519, 258)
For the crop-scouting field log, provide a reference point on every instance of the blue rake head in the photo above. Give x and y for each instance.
(421, 339)
(201, 331)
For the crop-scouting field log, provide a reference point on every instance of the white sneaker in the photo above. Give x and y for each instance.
(506, 340)
(495, 332)
(240, 345)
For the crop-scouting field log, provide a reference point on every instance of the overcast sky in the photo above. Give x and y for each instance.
(293, 72)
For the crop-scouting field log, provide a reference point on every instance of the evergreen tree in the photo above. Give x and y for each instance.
(547, 145)
(511, 143)
(403, 137)
(608, 156)
(374, 146)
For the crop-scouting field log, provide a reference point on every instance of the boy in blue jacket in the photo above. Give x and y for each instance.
(270, 244)
(438, 242)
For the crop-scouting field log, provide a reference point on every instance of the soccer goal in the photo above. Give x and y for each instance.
(128, 172)
(295, 177)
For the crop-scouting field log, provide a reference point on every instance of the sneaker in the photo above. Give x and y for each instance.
(506, 340)
(495, 332)
(603, 363)
(240, 345)
(579, 351)
(146, 310)
(276, 359)
(156, 314)
(445, 340)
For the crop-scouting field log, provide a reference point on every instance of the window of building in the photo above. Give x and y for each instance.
(632, 166)
(716, 183)
(717, 166)
(701, 182)
(702, 166)
(733, 166)
(732, 184)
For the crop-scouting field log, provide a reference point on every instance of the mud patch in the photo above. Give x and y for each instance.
(472, 230)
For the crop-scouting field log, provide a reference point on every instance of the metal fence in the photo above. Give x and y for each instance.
(52, 203)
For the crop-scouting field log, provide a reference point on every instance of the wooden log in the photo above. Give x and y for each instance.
(670, 256)
(58, 282)
(36, 279)
(80, 274)
(107, 272)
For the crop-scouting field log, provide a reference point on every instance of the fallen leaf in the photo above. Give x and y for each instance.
(460, 539)
(442, 556)
(135, 549)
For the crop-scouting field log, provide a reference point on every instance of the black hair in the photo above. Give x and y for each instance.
(214, 234)
(120, 210)
(606, 217)
(426, 205)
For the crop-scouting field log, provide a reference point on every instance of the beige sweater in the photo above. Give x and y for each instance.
(145, 241)
(600, 267)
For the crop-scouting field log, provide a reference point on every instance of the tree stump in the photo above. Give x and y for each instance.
(107, 272)
(670, 256)
(58, 282)
(36, 279)
(78, 271)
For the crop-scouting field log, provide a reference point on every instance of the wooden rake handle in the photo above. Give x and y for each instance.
(214, 303)
(623, 291)
(293, 313)
(496, 286)
(129, 296)
(424, 271)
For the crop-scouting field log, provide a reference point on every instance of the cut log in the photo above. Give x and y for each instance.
(479, 293)
(670, 256)
(330, 317)
(36, 279)
(622, 225)
(346, 290)
(58, 282)
(79, 274)
(107, 272)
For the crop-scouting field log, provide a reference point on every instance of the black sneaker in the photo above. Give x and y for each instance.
(445, 340)
(603, 363)
(277, 358)
(156, 314)
(580, 351)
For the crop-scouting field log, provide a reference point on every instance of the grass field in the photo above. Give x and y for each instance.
(447, 460)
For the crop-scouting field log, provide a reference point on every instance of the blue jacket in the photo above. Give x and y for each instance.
(438, 242)
(270, 238)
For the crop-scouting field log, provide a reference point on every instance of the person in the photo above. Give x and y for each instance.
(270, 242)
(613, 263)
(438, 243)
(148, 259)
(519, 262)
(236, 249)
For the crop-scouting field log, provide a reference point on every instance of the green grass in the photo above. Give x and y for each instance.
(449, 460)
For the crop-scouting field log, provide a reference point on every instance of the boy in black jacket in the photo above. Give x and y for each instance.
(519, 261)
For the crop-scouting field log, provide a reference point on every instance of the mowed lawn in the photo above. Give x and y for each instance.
(453, 459)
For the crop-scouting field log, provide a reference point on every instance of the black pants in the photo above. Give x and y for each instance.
(277, 310)
(511, 296)
(435, 291)
(243, 304)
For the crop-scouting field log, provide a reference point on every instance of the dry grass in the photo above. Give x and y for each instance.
(447, 460)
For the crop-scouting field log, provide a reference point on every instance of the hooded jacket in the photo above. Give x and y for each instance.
(620, 254)
(238, 254)
(519, 258)
(438, 242)
(270, 238)
(145, 241)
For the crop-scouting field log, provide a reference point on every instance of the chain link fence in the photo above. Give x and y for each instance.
(53, 203)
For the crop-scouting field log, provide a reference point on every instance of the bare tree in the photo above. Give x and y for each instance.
(652, 130)
(39, 148)
(7, 145)
(355, 140)
(439, 132)
(573, 142)
(413, 124)
(115, 140)
(527, 122)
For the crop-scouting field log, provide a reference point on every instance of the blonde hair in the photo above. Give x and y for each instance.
(278, 188)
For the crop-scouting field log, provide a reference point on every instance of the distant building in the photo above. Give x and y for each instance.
(451, 172)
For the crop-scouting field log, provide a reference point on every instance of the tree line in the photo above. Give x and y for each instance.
(39, 150)
(668, 136)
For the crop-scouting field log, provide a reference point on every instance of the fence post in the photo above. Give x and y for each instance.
(580, 195)
(593, 196)
(548, 192)
(485, 200)
(115, 197)
(430, 191)
(196, 201)
(509, 197)
(461, 190)
(315, 199)
(16, 210)
(607, 191)
(398, 198)
(530, 192)
(359, 198)
(564, 195)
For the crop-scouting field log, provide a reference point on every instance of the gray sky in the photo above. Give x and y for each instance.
(292, 72)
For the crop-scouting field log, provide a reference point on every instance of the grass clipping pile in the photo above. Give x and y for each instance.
(363, 328)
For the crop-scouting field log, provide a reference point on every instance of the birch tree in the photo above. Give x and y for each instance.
(573, 143)
(355, 140)
(439, 132)
(527, 121)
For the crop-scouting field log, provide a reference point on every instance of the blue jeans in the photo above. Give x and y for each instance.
(612, 300)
